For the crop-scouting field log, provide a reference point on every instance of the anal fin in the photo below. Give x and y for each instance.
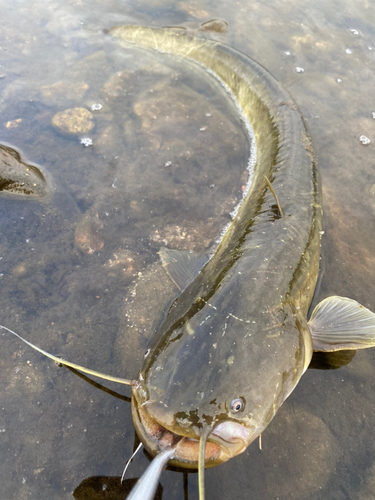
(340, 323)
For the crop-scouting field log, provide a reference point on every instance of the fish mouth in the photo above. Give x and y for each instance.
(156, 437)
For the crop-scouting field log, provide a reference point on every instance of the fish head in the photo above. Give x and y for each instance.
(158, 427)
(193, 384)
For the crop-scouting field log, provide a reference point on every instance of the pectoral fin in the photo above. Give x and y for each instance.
(181, 266)
(341, 323)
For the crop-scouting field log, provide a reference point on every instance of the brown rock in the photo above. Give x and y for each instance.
(117, 84)
(19, 177)
(144, 304)
(88, 235)
(194, 238)
(108, 139)
(74, 121)
(63, 91)
(123, 261)
(297, 458)
(216, 25)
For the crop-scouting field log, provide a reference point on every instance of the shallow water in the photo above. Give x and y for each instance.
(79, 269)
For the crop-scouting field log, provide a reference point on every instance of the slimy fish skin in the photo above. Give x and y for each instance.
(236, 342)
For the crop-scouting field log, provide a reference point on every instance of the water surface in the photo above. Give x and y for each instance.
(79, 268)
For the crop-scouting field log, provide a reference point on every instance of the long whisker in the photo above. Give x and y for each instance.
(274, 195)
(130, 459)
(73, 365)
(201, 461)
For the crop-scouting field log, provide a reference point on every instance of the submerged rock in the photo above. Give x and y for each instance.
(217, 25)
(191, 237)
(88, 235)
(144, 305)
(19, 177)
(13, 123)
(74, 121)
(62, 91)
(118, 84)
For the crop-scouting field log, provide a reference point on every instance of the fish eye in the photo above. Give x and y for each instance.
(146, 353)
(237, 405)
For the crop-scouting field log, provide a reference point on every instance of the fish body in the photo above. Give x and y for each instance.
(236, 342)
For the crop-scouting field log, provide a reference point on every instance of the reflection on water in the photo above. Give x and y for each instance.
(136, 150)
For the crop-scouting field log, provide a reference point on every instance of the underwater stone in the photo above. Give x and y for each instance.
(88, 235)
(63, 91)
(74, 121)
(217, 25)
